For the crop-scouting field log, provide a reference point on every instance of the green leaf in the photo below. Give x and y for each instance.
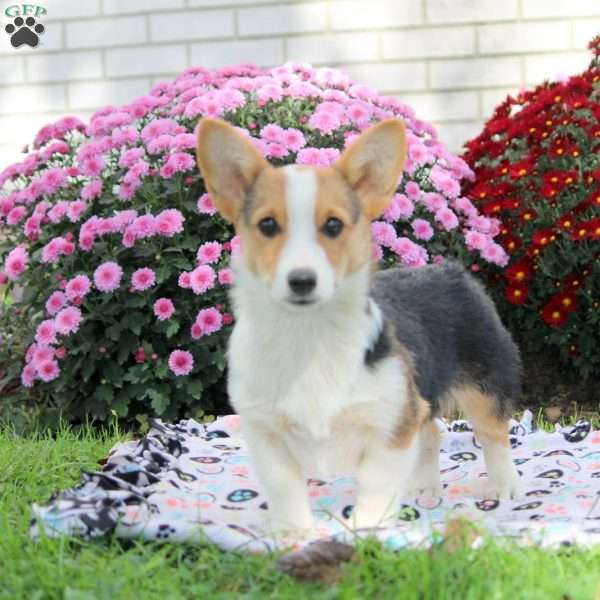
(172, 329)
(159, 400)
(104, 393)
(195, 389)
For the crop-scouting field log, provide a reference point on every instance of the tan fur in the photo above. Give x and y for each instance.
(416, 410)
(268, 200)
(373, 163)
(352, 248)
(480, 410)
(229, 164)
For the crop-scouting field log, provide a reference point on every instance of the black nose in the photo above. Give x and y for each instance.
(302, 281)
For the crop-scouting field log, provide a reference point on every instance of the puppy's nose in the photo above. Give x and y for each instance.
(302, 281)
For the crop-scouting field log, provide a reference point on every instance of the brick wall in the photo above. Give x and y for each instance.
(452, 60)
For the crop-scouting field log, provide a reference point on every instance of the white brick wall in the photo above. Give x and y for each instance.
(452, 60)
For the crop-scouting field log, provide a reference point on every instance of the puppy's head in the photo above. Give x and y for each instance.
(303, 229)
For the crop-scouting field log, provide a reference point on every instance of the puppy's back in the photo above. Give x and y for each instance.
(444, 318)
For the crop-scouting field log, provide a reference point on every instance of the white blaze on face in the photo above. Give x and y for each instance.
(302, 249)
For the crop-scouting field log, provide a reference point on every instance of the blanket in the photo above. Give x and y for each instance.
(193, 482)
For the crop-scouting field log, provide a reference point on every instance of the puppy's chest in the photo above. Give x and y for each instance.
(315, 394)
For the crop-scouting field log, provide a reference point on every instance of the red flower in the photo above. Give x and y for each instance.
(519, 272)
(554, 315)
(517, 293)
(542, 237)
(566, 221)
(528, 215)
(565, 300)
(574, 281)
(580, 231)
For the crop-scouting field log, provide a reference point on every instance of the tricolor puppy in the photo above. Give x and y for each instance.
(334, 370)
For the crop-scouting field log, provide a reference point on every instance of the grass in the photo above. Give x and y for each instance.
(31, 468)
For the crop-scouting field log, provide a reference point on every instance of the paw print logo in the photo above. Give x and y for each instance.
(242, 495)
(164, 532)
(24, 32)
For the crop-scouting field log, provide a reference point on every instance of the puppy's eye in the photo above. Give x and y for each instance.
(333, 227)
(269, 227)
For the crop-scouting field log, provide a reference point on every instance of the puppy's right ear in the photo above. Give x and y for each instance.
(229, 164)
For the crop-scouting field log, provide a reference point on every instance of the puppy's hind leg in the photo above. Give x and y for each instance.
(426, 480)
(483, 411)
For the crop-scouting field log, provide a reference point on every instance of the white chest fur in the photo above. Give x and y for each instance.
(299, 374)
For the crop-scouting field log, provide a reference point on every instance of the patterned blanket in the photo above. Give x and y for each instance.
(193, 482)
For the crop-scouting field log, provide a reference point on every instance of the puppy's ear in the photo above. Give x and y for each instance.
(373, 163)
(229, 164)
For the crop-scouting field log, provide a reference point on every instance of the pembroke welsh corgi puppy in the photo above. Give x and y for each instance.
(334, 370)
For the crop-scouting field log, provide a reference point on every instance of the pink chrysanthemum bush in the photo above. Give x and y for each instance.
(124, 261)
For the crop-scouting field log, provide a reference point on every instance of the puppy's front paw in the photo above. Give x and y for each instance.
(433, 490)
(291, 526)
(507, 488)
(365, 517)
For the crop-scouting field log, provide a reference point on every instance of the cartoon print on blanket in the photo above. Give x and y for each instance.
(193, 482)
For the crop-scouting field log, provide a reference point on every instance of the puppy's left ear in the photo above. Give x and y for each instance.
(373, 163)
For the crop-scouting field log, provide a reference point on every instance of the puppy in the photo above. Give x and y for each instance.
(336, 371)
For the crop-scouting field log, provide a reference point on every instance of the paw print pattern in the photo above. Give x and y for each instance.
(164, 532)
(242, 495)
(24, 32)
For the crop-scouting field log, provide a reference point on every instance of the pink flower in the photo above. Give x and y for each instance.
(91, 190)
(45, 333)
(181, 362)
(176, 163)
(48, 370)
(422, 229)
(272, 133)
(130, 157)
(3, 278)
(225, 276)
(184, 281)
(67, 321)
(15, 263)
(142, 279)
(205, 205)
(163, 309)
(270, 91)
(383, 233)
(235, 245)
(42, 353)
(107, 276)
(55, 302)
(210, 320)
(196, 331)
(144, 226)
(78, 287)
(494, 253)
(169, 222)
(202, 278)
(293, 139)
(28, 376)
(413, 191)
(15, 215)
(434, 201)
(447, 218)
(324, 121)
(75, 210)
(209, 252)
(476, 240)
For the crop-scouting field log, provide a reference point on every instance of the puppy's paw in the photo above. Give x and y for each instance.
(426, 490)
(364, 517)
(508, 488)
(291, 528)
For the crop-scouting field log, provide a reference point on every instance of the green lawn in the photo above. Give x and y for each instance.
(31, 468)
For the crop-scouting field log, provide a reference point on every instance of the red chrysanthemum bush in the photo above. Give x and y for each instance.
(124, 262)
(537, 169)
